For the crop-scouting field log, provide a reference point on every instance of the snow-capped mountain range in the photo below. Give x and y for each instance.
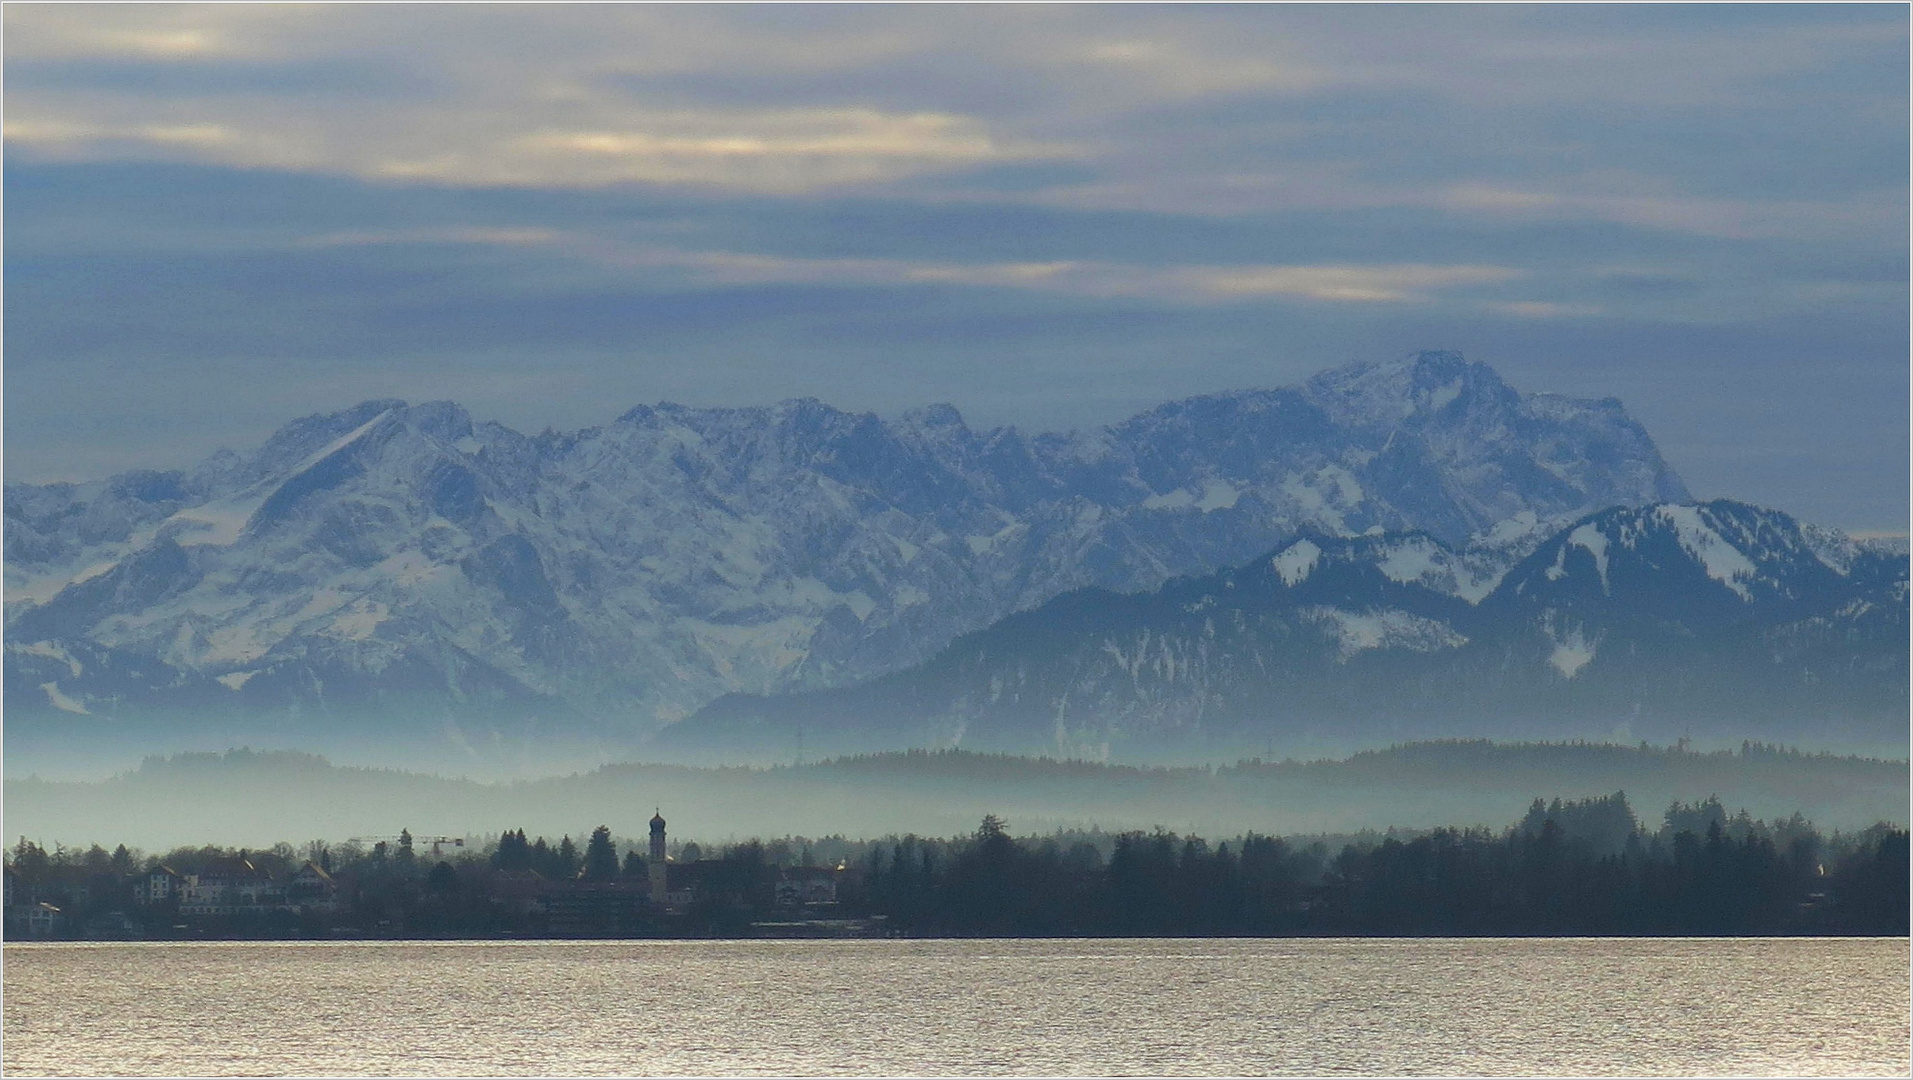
(1718, 620)
(404, 567)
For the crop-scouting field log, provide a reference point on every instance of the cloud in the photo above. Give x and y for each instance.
(1192, 110)
(1541, 309)
(493, 97)
(1739, 219)
(766, 151)
(1397, 283)
(771, 151)
(1184, 69)
(1102, 279)
(165, 32)
(57, 134)
(456, 234)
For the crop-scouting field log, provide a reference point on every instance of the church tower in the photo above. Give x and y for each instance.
(655, 864)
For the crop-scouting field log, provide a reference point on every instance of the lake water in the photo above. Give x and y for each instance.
(1443, 1006)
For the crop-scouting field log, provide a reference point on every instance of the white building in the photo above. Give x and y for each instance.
(230, 886)
(159, 886)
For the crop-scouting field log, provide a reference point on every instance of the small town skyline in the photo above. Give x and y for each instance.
(1585, 865)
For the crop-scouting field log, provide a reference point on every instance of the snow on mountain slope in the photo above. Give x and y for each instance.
(1719, 562)
(1717, 618)
(399, 558)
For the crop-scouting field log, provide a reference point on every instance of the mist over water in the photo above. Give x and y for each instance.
(258, 799)
(980, 1007)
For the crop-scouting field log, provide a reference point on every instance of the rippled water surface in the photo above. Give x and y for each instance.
(1440, 1006)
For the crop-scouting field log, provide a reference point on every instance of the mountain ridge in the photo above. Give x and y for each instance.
(1652, 622)
(405, 559)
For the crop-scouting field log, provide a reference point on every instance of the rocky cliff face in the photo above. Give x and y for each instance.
(404, 563)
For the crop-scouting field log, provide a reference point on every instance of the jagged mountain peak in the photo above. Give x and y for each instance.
(937, 415)
(639, 569)
(301, 443)
(1388, 393)
(303, 437)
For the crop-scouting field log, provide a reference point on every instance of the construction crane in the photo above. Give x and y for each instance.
(437, 842)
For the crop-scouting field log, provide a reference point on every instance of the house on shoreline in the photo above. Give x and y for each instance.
(232, 887)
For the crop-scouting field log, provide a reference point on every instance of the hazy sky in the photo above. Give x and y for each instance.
(220, 218)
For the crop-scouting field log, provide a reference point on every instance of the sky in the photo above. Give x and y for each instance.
(220, 218)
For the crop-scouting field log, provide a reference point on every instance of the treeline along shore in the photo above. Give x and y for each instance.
(1578, 867)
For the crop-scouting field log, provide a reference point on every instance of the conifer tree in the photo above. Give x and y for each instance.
(601, 858)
